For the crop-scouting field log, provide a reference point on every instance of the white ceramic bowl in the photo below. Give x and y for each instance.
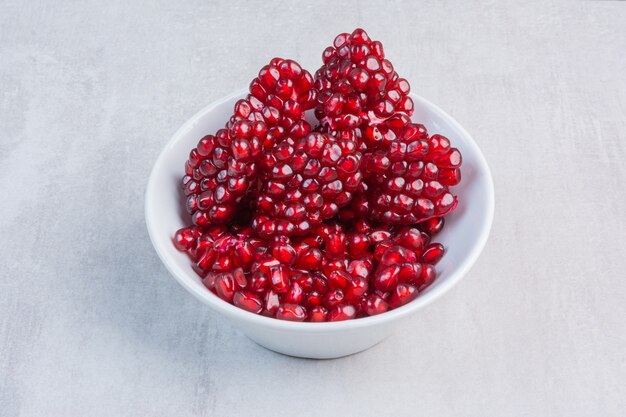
(464, 236)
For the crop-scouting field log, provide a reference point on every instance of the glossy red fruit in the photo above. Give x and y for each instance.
(387, 278)
(225, 286)
(295, 294)
(356, 289)
(433, 226)
(284, 253)
(402, 294)
(248, 301)
(279, 279)
(410, 238)
(311, 260)
(186, 237)
(428, 275)
(410, 272)
(333, 298)
(336, 245)
(318, 314)
(258, 282)
(291, 312)
(314, 299)
(394, 255)
(339, 280)
(358, 244)
(304, 280)
(342, 312)
(375, 304)
(271, 302)
(433, 253)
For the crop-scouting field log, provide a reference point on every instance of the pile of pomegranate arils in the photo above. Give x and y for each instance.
(325, 222)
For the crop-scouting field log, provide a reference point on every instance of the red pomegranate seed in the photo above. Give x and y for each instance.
(279, 278)
(333, 298)
(342, 312)
(394, 255)
(311, 260)
(318, 314)
(433, 253)
(284, 253)
(271, 304)
(401, 295)
(295, 294)
(427, 275)
(258, 282)
(381, 248)
(374, 304)
(410, 272)
(410, 238)
(225, 286)
(433, 226)
(338, 280)
(358, 243)
(360, 268)
(319, 284)
(185, 238)
(240, 278)
(335, 245)
(387, 279)
(356, 289)
(314, 299)
(291, 312)
(329, 266)
(378, 236)
(304, 280)
(248, 301)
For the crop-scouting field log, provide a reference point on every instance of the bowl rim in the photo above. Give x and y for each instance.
(233, 312)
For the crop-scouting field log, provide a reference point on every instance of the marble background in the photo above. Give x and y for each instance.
(91, 324)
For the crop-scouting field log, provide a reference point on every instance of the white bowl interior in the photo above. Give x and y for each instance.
(464, 236)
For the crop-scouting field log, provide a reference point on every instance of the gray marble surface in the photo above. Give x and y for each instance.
(91, 324)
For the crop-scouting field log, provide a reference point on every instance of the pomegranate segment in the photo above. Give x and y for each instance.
(326, 223)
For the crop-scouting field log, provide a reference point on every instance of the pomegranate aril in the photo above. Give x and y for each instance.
(258, 282)
(284, 253)
(295, 294)
(356, 289)
(375, 304)
(338, 280)
(410, 238)
(314, 299)
(427, 275)
(402, 294)
(358, 243)
(342, 312)
(185, 238)
(279, 278)
(333, 298)
(318, 314)
(248, 301)
(311, 260)
(393, 255)
(433, 253)
(271, 303)
(387, 279)
(225, 286)
(304, 280)
(291, 312)
(433, 226)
